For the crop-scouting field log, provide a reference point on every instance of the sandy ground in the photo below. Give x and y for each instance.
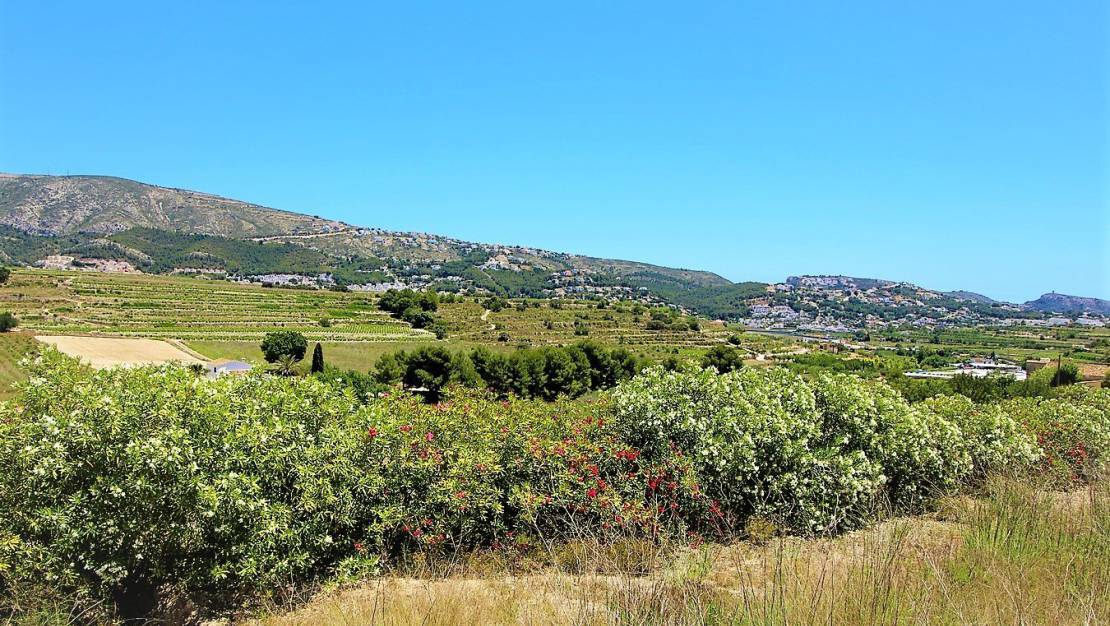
(102, 352)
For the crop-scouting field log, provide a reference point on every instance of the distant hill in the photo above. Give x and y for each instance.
(972, 296)
(87, 220)
(102, 216)
(1060, 303)
(67, 205)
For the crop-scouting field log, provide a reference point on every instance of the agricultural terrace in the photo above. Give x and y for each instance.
(219, 319)
(1090, 346)
(189, 309)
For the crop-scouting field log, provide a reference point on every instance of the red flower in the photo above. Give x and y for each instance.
(591, 492)
(406, 428)
(359, 547)
(373, 432)
(460, 494)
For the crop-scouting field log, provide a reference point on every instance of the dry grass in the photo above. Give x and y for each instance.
(1015, 555)
(100, 352)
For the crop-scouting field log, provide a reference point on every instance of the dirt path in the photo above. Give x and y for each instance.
(485, 318)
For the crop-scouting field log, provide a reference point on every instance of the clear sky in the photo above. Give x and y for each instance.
(952, 144)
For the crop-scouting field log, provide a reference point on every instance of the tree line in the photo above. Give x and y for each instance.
(547, 373)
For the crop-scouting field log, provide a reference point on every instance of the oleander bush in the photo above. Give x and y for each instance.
(815, 456)
(135, 485)
(1072, 432)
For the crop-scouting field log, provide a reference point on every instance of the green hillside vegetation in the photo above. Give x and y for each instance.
(227, 320)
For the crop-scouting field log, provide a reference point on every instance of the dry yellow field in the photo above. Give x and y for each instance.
(100, 352)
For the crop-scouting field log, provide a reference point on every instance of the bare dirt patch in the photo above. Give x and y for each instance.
(100, 352)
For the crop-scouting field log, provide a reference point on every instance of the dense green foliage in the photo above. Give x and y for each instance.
(546, 373)
(284, 343)
(130, 483)
(712, 301)
(317, 359)
(5, 274)
(416, 308)
(7, 322)
(723, 359)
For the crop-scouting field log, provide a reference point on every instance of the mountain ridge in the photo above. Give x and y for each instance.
(95, 209)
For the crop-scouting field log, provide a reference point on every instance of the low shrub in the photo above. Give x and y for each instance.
(145, 484)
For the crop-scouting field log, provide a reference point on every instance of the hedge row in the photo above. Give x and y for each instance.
(126, 483)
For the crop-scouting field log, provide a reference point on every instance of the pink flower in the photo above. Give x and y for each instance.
(428, 436)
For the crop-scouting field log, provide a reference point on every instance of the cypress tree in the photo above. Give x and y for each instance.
(317, 359)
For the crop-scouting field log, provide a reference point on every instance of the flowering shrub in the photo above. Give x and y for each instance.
(129, 482)
(126, 480)
(756, 440)
(919, 452)
(1072, 432)
(991, 437)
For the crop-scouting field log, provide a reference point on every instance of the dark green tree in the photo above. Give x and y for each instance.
(5, 274)
(430, 369)
(390, 368)
(7, 322)
(317, 359)
(284, 343)
(1066, 374)
(723, 358)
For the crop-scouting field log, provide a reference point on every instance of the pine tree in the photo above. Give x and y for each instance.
(317, 359)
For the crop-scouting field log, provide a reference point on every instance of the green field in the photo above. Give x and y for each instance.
(220, 319)
(134, 305)
(1088, 348)
(13, 347)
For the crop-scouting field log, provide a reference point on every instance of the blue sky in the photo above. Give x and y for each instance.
(952, 144)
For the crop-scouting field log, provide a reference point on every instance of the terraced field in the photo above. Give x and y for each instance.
(130, 305)
(219, 319)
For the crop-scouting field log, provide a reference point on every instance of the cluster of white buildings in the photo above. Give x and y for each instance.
(975, 369)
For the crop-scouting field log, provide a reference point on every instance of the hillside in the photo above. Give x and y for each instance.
(67, 205)
(101, 222)
(89, 209)
(1060, 303)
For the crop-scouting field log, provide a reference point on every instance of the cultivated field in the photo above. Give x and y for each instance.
(131, 305)
(226, 320)
(114, 351)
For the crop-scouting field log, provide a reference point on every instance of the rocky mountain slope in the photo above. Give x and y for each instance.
(160, 229)
(67, 205)
(1060, 303)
